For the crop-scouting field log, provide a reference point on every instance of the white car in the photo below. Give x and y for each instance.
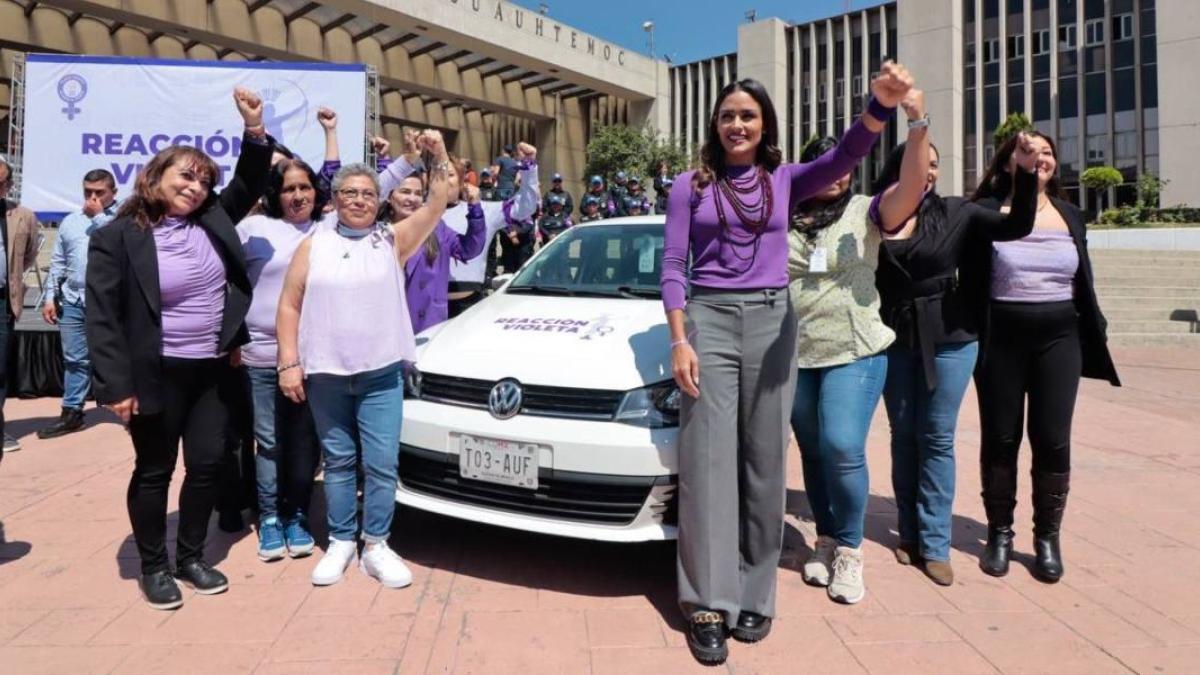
(550, 406)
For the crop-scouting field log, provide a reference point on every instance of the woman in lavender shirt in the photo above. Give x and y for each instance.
(287, 449)
(1040, 330)
(739, 331)
(167, 294)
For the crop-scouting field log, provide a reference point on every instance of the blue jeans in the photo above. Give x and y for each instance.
(287, 449)
(362, 408)
(77, 366)
(831, 415)
(923, 424)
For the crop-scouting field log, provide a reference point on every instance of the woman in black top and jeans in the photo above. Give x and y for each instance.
(931, 361)
(1042, 329)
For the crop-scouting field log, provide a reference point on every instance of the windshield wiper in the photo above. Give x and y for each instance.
(640, 291)
(540, 290)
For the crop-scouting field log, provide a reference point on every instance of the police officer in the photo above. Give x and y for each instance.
(663, 191)
(555, 219)
(635, 194)
(590, 208)
(618, 192)
(556, 190)
(596, 193)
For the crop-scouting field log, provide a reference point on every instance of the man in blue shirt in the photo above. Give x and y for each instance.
(505, 168)
(63, 299)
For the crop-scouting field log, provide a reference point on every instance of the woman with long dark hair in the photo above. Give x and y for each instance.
(935, 318)
(167, 294)
(840, 353)
(739, 330)
(287, 450)
(1041, 330)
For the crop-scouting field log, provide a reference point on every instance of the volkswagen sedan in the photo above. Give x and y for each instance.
(550, 406)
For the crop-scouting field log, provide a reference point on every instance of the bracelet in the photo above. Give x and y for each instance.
(679, 343)
(922, 123)
(287, 366)
(879, 111)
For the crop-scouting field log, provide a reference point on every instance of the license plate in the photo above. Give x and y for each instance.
(497, 461)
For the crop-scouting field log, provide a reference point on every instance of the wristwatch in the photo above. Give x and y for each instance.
(918, 124)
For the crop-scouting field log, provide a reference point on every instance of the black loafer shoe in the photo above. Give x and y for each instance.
(706, 638)
(751, 627)
(160, 590)
(202, 578)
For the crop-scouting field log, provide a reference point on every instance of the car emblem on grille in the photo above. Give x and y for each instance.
(505, 399)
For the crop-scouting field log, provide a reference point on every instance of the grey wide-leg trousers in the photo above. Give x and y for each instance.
(732, 451)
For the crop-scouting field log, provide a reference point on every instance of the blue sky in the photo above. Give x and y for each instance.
(684, 30)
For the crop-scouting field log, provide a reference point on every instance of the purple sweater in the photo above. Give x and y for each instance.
(741, 263)
(191, 280)
(427, 283)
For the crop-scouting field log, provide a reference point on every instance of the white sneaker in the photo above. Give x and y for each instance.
(334, 563)
(819, 567)
(847, 583)
(381, 562)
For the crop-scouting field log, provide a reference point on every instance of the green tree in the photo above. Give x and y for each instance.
(634, 150)
(1101, 178)
(1011, 126)
(1149, 188)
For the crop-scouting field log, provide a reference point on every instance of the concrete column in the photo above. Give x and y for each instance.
(930, 38)
(1027, 30)
(797, 135)
(981, 140)
(830, 94)
(813, 83)
(762, 55)
(847, 72)
(1178, 37)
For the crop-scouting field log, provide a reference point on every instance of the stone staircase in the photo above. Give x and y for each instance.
(1150, 298)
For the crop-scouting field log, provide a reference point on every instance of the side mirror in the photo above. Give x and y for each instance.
(500, 279)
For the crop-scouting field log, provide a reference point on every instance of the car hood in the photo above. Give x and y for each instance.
(587, 343)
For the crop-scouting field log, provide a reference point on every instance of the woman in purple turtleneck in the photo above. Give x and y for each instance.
(738, 330)
(167, 295)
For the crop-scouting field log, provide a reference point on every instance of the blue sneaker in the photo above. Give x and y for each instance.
(299, 542)
(270, 540)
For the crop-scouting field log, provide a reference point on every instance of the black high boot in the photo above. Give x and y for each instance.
(999, 500)
(1049, 502)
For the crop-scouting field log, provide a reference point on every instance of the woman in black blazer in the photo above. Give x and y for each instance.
(1040, 330)
(167, 293)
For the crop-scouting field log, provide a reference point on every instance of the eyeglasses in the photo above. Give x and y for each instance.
(351, 193)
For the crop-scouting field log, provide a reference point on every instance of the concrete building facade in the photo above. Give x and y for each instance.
(1109, 79)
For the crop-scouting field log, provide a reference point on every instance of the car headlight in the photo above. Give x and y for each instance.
(656, 406)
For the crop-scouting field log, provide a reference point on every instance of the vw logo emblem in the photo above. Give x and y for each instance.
(504, 401)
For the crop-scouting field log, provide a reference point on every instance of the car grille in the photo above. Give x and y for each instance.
(565, 495)
(568, 402)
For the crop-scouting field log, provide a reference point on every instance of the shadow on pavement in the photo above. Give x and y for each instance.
(12, 551)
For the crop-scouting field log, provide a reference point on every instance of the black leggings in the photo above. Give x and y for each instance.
(196, 397)
(1033, 352)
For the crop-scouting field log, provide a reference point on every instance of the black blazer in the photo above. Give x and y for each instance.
(124, 303)
(1093, 327)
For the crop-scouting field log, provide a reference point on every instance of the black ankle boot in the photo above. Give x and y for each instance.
(706, 638)
(1049, 502)
(70, 420)
(998, 551)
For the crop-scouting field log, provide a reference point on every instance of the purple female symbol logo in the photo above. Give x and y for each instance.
(72, 89)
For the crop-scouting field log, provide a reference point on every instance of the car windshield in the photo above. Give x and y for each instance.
(619, 260)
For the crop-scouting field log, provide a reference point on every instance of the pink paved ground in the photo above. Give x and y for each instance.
(487, 600)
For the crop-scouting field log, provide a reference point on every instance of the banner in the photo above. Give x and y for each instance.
(98, 112)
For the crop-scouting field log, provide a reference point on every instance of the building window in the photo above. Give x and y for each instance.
(1122, 27)
(807, 94)
(991, 50)
(1016, 46)
(1041, 41)
(839, 88)
(1095, 148)
(856, 86)
(1066, 37)
(1095, 32)
(821, 93)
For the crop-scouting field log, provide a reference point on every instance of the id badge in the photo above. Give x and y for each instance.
(818, 262)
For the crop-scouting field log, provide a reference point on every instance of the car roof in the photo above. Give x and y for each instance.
(628, 220)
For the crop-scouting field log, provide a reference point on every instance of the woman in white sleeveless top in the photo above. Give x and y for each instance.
(343, 330)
